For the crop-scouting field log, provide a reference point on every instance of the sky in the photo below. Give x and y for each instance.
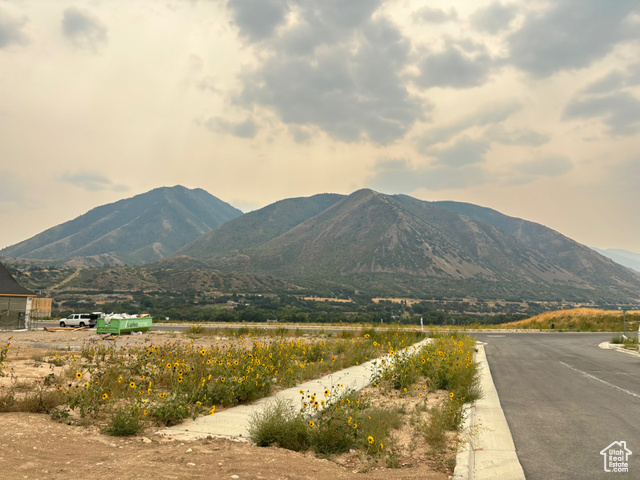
(528, 107)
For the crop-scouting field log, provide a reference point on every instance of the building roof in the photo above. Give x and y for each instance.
(9, 286)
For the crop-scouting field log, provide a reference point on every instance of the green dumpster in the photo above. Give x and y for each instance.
(118, 325)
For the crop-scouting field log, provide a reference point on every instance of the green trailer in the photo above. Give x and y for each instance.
(118, 325)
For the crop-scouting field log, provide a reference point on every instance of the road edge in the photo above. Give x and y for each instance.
(489, 451)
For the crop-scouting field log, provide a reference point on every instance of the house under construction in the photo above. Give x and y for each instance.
(15, 302)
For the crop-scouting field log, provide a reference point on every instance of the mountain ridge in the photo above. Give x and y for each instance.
(367, 241)
(368, 234)
(132, 231)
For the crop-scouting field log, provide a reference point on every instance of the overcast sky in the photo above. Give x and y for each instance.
(531, 108)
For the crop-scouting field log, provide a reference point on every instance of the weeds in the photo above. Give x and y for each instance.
(35, 398)
(172, 382)
(626, 342)
(124, 422)
(347, 423)
(4, 353)
(279, 423)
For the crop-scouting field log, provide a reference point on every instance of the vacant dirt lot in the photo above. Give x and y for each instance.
(33, 446)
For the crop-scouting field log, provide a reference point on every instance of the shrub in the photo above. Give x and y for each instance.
(279, 423)
(171, 412)
(435, 427)
(124, 422)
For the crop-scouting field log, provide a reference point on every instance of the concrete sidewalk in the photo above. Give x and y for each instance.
(490, 452)
(233, 422)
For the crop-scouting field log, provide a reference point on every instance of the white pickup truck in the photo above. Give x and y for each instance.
(80, 320)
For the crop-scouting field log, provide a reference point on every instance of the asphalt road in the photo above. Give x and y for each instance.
(565, 400)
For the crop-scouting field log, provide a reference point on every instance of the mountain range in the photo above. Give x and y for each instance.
(369, 241)
(133, 231)
(396, 243)
(623, 257)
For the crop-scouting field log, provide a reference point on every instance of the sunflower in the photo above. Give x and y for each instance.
(78, 375)
(132, 385)
(105, 396)
(370, 440)
(312, 424)
(213, 410)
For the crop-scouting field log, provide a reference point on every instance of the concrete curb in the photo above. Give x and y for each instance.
(232, 423)
(490, 452)
(615, 346)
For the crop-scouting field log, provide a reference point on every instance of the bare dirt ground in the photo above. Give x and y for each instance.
(33, 446)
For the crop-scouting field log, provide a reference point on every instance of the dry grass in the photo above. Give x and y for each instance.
(586, 319)
(323, 299)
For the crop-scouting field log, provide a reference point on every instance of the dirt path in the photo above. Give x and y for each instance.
(65, 281)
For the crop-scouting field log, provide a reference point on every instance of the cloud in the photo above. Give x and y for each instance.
(435, 15)
(531, 170)
(257, 19)
(347, 83)
(619, 111)
(455, 69)
(615, 80)
(571, 34)
(300, 134)
(525, 137)
(11, 30)
(91, 181)
(208, 83)
(465, 151)
(494, 18)
(486, 115)
(399, 176)
(83, 29)
(244, 129)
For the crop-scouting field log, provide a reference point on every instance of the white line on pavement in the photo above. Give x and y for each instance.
(600, 380)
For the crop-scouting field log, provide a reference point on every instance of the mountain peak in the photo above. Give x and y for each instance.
(139, 229)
